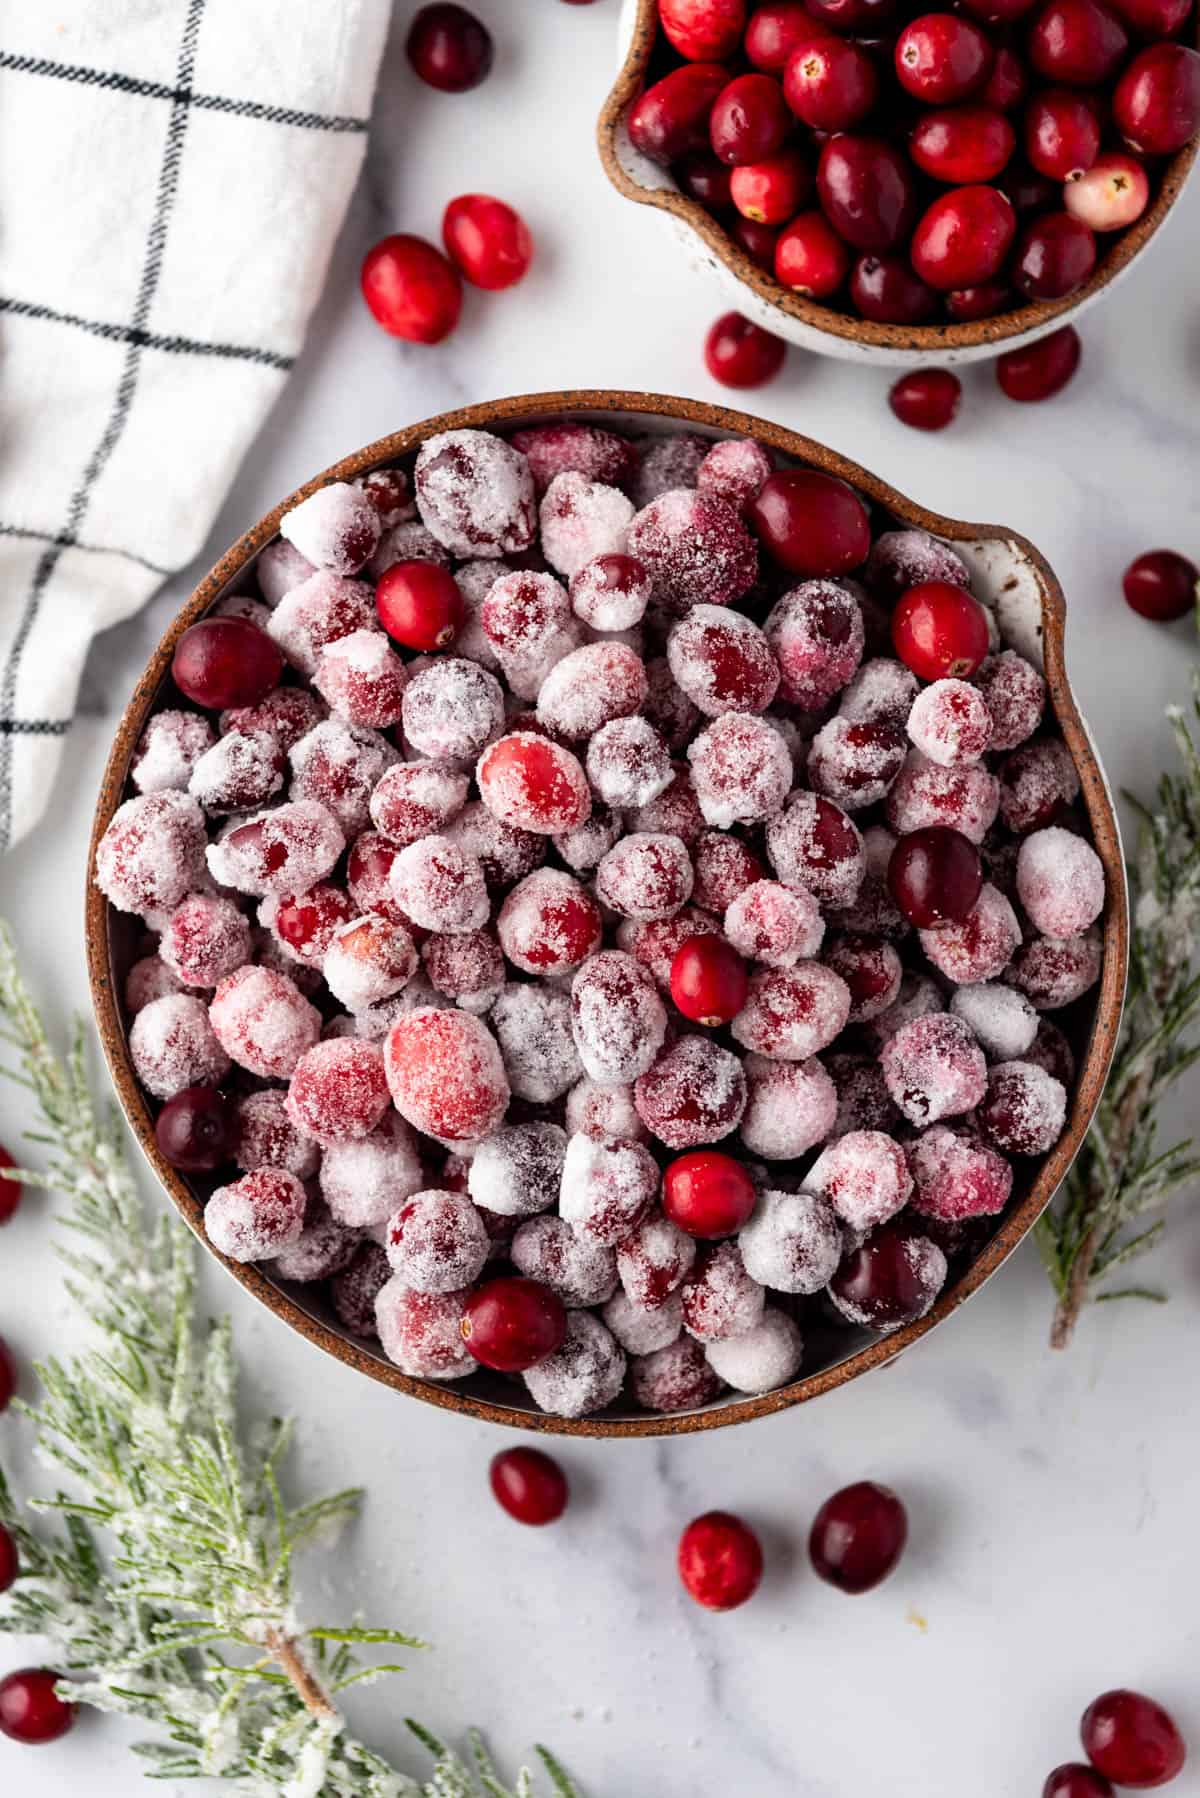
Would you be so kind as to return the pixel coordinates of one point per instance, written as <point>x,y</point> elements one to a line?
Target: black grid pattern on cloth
<point>147,340</point>
<point>92,549</point>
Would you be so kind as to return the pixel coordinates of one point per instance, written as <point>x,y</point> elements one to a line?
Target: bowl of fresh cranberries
<point>877,180</point>
<point>605,916</point>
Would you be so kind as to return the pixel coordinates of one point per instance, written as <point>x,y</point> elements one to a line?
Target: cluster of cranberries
<point>606,900</point>
<point>913,166</point>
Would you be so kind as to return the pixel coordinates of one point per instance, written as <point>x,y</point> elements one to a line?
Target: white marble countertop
<point>1052,1498</point>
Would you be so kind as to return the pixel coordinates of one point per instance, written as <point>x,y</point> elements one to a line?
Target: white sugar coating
<point>468,968</point>
<point>816,631</point>
<point>323,1248</point>
<point>241,771</point>
<point>791,1107</point>
<point>735,470</point>
<point>881,692</point>
<point>268,951</point>
<point>257,1216</point>
<point>601,455</point>
<point>927,1268</point>
<point>172,1045</point>
<point>863,1176</point>
<point>149,978</point>
<point>504,851</point>
<point>1036,781</point>
<point>1015,695</point>
<point>390,493</point>
<point>1052,971</point>
<point>628,763</point>
<point>374,1022</point>
<point>419,1332</point>
<point>581,519</point>
<point>618,1020</point>
<point>206,938</point>
<point>263,1021</point>
<point>580,1271</point>
<point>724,867</point>
<point>1025,1108</point>
<point>367,961</point>
<point>792,1013</point>
<point>362,678</point>
<point>339,765</point>
<point>792,1243</point>
<point>667,463</point>
<point>533,784</point>
<point>674,812</point>
<point>590,686</point>
<point>584,1374</point>
<point>415,799</point>
<point>474,581</point>
<point>319,611</point>
<point>603,1111</point>
<point>950,723</point>
<point>366,1179</point>
<point>264,1136</point>
<point>440,886</point>
<point>606,1187</point>
<point>151,854</point>
<point>1060,882</point>
<point>475,493</point>
<point>676,1378</point>
<point>286,713</point>
<point>532,1025</point>
<point>654,1260</point>
<point>722,661</point>
<point>903,559</point>
<point>607,603</point>
<point>452,709</point>
<point>695,1093</point>
<point>641,1332</point>
<point>517,1170</point>
<point>813,844</point>
<point>436,1242</point>
<point>1002,1019</point>
<point>695,548</point>
<point>168,749</point>
<point>767,1356</point>
<point>336,527</point>
<point>549,923</point>
<point>722,1297</point>
<point>667,706</point>
<point>979,948</point>
<point>244,606</point>
<point>528,621</point>
<point>919,995</point>
<point>923,794</point>
<point>645,876</point>
<point>408,541</point>
<point>353,1292</point>
<point>957,1177</point>
<point>279,568</point>
<point>338,1091</point>
<point>775,924</point>
<point>934,1068</point>
<point>855,764</point>
<point>741,770</point>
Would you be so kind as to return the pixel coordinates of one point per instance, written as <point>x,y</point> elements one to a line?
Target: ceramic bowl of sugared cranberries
<point>890,183</point>
<point>605,917</point>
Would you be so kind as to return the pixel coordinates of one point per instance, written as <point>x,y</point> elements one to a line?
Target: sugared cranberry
<point>1113,193</point>
<point>749,120</point>
<point>419,605</point>
<point>740,354</point>
<point>529,1485</point>
<point>194,1129</point>
<point>810,257</point>
<point>720,1561</point>
<point>831,84</point>
<point>1062,133</point>
<point>512,1323</point>
<point>1054,256</point>
<point>884,289</point>
<point>1156,106</point>
<point>708,980</point>
<point>1039,370</point>
<point>10,1190</point>
<point>703,30</point>
<point>671,117</point>
<point>940,631</point>
<point>1074,1780</point>
<point>1132,1740</point>
<point>1162,585</point>
<point>773,190</point>
<point>449,48</point>
<point>867,191</point>
<point>858,1536</point>
<point>486,241</point>
<point>963,237</point>
<point>935,876</point>
<point>704,177</point>
<point>775,32</point>
<point>708,1194</point>
<point>1081,42</point>
<point>942,57</point>
<point>224,662</point>
<point>10,1563</point>
<point>927,399</point>
<point>8,1375</point>
<point>811,522</point>
<point>31,1711</point>
<point>962,144</point>
<point>411,289</point>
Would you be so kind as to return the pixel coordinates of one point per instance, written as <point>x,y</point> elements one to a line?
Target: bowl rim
<point>1037,317</point>
<point>584,403</point>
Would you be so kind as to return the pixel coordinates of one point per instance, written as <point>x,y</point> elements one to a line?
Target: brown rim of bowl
<point>995,330</point>
<point>501,414</point>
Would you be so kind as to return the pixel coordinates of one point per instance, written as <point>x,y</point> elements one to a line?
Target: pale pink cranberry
<point>734,470</point>
<point>415,799</point>
<point>241,771</point>
<point>611,593</point>
<point>695,549</point>
<point>354,1290</point>
<point>475,493</point>
<point>909,558</point>
<point>205,939</point>
<point>363,1179</point>
<point>367,960</point>
<point>871,970</point>
<point>338,766</point>
<point>504,851</point>
<point>950,724</point>
<point>532,1024</point>
<point>722,661</point>
<point>287,714</point>
<point>419,1331</point>
<point>723,867</point>
<point>655,945</point>
<point>338,1090</point>
<point>863,1176</point>
<point>580,520</point>
<point>628,763</point>
<point>695,1093</point>
<point>881,692</point>
<point>792,1243</point>
<point>264,1136</point>
<point>607,1187</point>
<point>1037,783</point>
<point>445,1074</point>
<point>617,1018</point>
<point>922,795</point>
<point>855,764</point>
<point>775,924</point>
<point>1023,1110</point>
<point>168,749</point>
<point>791,1106</point>
<point>336,528</point>
<point>263,1022</point>
<point>517,1170</point>
<point>452,709</point>
<point>645,877</point>
<point>741,770</point>
<point>584,1374</point>
<point>316,613</point>
<point>981,947</point>
<point>934,1068</point>
<point>642,1332</point>
<point>279,568</point>
<point>172,1045</point>
<point>1111,195</point>
<point>956,1176</point>
<point>675,812</point>
<point>533,784</point>
<point>467,967</point>
<point>589,687</point>
<point>149,978</point>
<point>654,1260</point>
<point>436,1242</point>
<point>151,855</point>
<point>674,1378</point>
<point>1015,695</point>
<point>792,1013</point>
<point>580,1271</point>
<point>548,924</point>
<point>1053,972</point>
<point>255,1217</point>
<point>813,844</point>
<point>603,1111</point>
<point>440,886</point>
<point>582,449</point>
<point>816,632</point>
<point>721,1298</point>
<point>1060,882</point>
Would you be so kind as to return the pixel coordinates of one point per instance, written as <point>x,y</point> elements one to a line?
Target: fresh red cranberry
<point>1113,193</point>
<point>940,631</point>
<point>741,354</point>
<point>708,1194</point>
<point>671,117</point>
<point>927,399</point>
<point>858,1536</point>
<point>410,289</point>
<point>885,290</point>
<point>11,1191</point>
<point>891,1280</point>
<point>942,57</point>
<point>720,1561</point>
<point>193,1130</point>
<point>486,241</point>
<point>529,1485</point>
<point>419,605</point>
<point>758,240</point>
<point>962,144</point>
<point>1040,370</point>
<point>703,177</point>
<point>1027,189</point>
<point>449,48</point>
<point>1132,1740</point>
<point>964,237</point>
<point>512,1323</point>
<point>8,1375</point>
<point>703,30</point>
<point>867,191</point>
<point>775,32</point>
<point>1156,106</point>
<point>983,300</point>
<point>225,662</point>
<point>1081,42</point>
<point>708,980</point>
<point>1154,18</point>
<point>1007,84</point>
<point>749,120</point>
<point>1162,585</point>
<point>811,523</point>
<point>856,18</point>
<point>771,191</point>
<point>10,1560</point>
<point>810,257</point>
<point>1074,1780</point>
<point>1062,133</point>
<point>31,1712</point>
<point>1055,255</point>
<point>935,876</point>
<point>831,84</point>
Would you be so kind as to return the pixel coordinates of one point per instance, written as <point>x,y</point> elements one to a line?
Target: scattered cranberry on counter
<point>10,1562</point>
<point>927,399</point>
<point>449,48</point>
<point>529,1485</point>
<point>11,1191</point>
<point>1162,585</point>
<point>8,1375</point>
<point>1037,371</point>
<point>1074,1780</point>
<point>740,354</point>
<point>31,1712</point>
<point>411,289</point>
<point>720,1561</point>
<point>1132,1740</point>
<point>858,1536</point>
<point>487,241</point>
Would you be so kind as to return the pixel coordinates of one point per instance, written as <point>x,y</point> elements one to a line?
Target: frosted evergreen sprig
<point>1098,1224</point>
<point>161,1572</point>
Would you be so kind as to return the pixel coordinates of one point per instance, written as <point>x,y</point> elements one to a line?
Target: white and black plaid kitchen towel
<point>172,177</point>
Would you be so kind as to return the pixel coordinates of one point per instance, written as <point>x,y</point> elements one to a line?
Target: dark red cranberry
<point>758,240</point>
<point>193,1129</point>
<point>411,289</point>
<point>1041,369</point>
<point>935,876</point>
<point>927,398</point>
<point>981,301</point>
<point>858,1536</point>
<point>962,144</point>
<point>708,980</point>
<point>867,191</point>
<point>940,631</point>
<point>11,1191</point>
<point>225,662</point>
<point>964,237</point>
<point>749,120</point>
<point>1081,42</point>
<point>671,117</point>
<point>854,17</point>
<point>1028,191</point>
<point>1132,1740</point>
<point>10,1560</point>
<point>1074,1780</point>
<point>720,1561</point>
<point>487,241</point>
<point>811,523</point>
<point>775,32</point>
<point>885,290</point>
<point>741,354</point>
<point>942,57</point>
<point>708,1194</point>
<point>884,1283</point>
<point>702,176</point>
<point>8,1375</point>
<point>1055,255</point>
<point>1162,585</point>
<point>1007,84</point>
<point>1156,106</point>
<point>831,84</point>
<point>1154,18</point>
<point>529,1485</point>
<point>31,1712</point>
<point>512,1323</point>
<point>1062,133</point>
<point>771,191</point>
<point>449,48</point>
<point>810,257</point>
<point>419,605</point>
